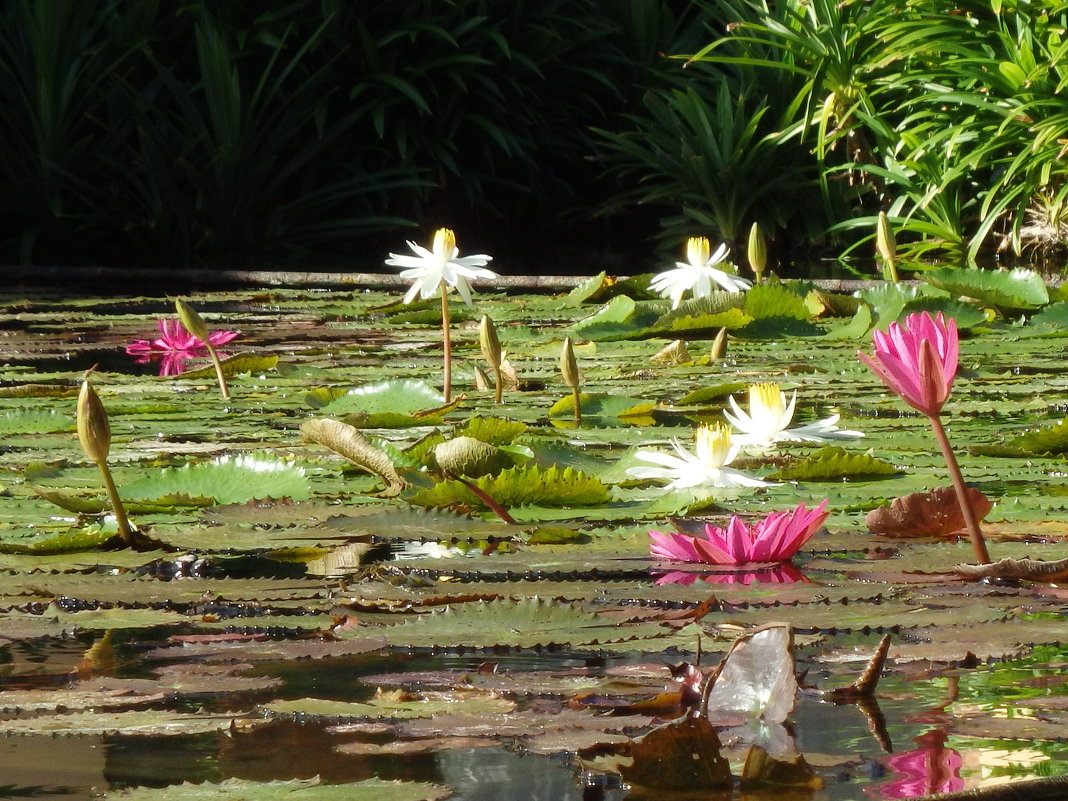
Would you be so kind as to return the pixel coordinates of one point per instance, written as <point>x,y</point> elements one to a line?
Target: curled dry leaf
<point>926,514</point>
<point>354,446</point>
<point>675,353</point>
<point>1029,569</point>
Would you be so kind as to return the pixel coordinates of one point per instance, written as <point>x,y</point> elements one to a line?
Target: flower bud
<point>568,365</point>
<point>758,251</point>
<point>94,433</point>
<point>719,345</point>
<point>489,343</point>
<point>886,245</point>
<point>191,321</point>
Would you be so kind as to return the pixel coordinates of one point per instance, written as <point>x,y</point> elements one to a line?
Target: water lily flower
<point>174,346</point>
<point>705,467</point>
<point>776,538</point>
<point>441,267</point>
<point>697,273</point>
<point>770,414</point>
<point>917,360</point>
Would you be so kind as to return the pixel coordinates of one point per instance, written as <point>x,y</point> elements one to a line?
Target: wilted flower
<point>776,538</point>
<point>917,360</point>
<point>769,415</point>
<point>174,346</point>
<point>697,273</point>
<point>706,466</point>
<point>430,269</point>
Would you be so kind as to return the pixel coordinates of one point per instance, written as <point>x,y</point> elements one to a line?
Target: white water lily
<point>697,273</point>
<point>442,265</point>
<point>769,416</point>
<point>705,467</point>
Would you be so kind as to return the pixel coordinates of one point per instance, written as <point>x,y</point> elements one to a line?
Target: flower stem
<point>974,532</point>
<point>225,390</point>
<point>576,396</point>
<point>498,390</point>
<point>446,342</point>
<point>125,532</point>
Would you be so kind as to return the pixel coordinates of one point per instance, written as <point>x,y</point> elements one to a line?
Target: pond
<point>291,622</point>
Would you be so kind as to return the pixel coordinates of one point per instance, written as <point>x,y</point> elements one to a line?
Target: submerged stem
<point>974,532</point>
<point>576,396</point>
<point>446,343</point>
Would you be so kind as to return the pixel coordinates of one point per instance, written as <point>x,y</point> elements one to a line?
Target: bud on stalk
<point>758,252</point>
<point>570,371</point>
<point>94,434</point>
<point>195,325</point>
<point>491,352</point>
<point>886,245</point>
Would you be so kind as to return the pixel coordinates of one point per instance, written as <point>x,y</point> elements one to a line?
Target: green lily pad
<point>635,411</point>
<point>238,364</point>
<point>395,396</point>
<point>228,479</point>
<point>520,486</point>
<point>620,318</point>
<point>30,421</point>
<point>835,464</point>
<point>1008,289</point>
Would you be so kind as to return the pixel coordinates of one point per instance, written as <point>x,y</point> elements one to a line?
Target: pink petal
<point>672,546</point>
<point>714,549</point>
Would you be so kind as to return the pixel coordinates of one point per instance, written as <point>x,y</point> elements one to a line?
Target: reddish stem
<point>974,532</point>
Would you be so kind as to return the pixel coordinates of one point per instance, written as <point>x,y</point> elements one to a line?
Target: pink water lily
<point>917,360</point>
<point>174,346</point>
<point>777,574</point>
<point>776,538</point>
<point>931,768</point>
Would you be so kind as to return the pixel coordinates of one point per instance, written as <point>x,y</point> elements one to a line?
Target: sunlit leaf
<point>833,464</point>
<point>1009,289</point>
<point>237,364</point>
<point>402,396</point>
<point>519,486</point>
<point>634,411</point>
<point>31,421</point>
<point>373,789</point>
<point>227,479</point>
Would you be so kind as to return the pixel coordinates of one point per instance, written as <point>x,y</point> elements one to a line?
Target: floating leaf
<point>520,486</point>
<point>682,756</point>
<point>32,421</point>
<point>227,479</point>
<point>620,318</point>
<point>494,430</point>
<point>387,704</point>
<point>834,464</point>
<point>373,789</point>
<point>966,315</point>
<point>926,514</point>
<point>634,411</point>
<point>1008,568</point>
<point>1044,441</point>
<point>1009,289</point>
<point>856,328</point>
<point>354,446</point>
<point>403,396</point>
<point>237,364</point>
<point>765,301</point>
<point>70,542</point>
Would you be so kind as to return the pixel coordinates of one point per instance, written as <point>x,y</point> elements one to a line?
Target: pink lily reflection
<point>931,768</point>
<point>174,346</point>
<point>776,574</point>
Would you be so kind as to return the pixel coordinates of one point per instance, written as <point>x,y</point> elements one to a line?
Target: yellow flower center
<point>444,243</point>
<point>767,407</point>
<point>713,444</point>
<point>698,250</point>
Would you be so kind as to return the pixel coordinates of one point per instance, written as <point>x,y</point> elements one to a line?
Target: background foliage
<point>181,132</point>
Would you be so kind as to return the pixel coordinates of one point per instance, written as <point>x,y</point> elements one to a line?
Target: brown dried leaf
<point>679,756</point>
<point>354,446</point>
<point>926,514</point>
<point>1029,569</point>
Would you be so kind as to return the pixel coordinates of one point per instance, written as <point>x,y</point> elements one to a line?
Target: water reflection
<point>930,768</point>
<point>784,573</point>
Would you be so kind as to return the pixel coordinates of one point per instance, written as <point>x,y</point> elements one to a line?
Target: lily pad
<point>1007,289</point>
<point>227,479</point>
<point>835,464</point>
